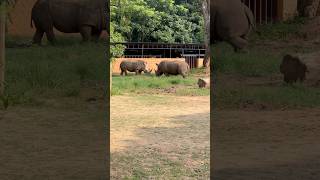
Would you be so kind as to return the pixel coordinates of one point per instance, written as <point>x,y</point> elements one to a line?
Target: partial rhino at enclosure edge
<point>231,21</point>
<point>78,16</point>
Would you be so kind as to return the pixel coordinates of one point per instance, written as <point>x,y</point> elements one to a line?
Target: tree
<point>115,50</point>
<point>167,21</point>
<point>2,45</point>
<point>4,6</point>
<point>206,15</point>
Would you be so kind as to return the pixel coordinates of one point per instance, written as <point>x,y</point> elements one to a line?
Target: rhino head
<point>158,72</point>
<point>147,70</point>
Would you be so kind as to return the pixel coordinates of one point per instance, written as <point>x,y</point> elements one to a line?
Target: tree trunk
<point>2,46</point>
<point>111,68</point>
<point>301,67</point>
<point>206,15</point>
<point>309,8</point>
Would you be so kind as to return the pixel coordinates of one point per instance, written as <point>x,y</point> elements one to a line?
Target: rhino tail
<point>31,24</point>
<point>250,16</point>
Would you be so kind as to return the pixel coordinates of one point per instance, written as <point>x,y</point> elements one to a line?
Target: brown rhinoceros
<point>173,68</point>
<point>134,66</point>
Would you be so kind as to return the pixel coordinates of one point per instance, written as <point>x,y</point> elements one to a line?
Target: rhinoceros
<point>173,68</point>
<point>231,21</point>
<point>134,66</point>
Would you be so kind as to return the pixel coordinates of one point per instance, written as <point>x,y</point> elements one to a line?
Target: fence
<point>264,11</point>
<point>191,53</point>
<point>194,60</point>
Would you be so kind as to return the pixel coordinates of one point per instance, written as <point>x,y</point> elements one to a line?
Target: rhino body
<point>173,68</point>
<point>134,66</point>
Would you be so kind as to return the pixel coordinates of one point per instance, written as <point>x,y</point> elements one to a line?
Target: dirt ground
<point>266,144</point>
<point>62,139</point>
<point>160,136</point>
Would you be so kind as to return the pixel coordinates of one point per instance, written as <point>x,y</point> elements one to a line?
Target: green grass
<point>279,30</point>
<point>296,96</point>
<point>260,63</point>
<point>151,84</point>
<point>52,71</point>
<point>255,63</point>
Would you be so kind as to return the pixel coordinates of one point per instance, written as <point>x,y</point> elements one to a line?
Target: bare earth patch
<point>250,145</point>
<point>160,136</point>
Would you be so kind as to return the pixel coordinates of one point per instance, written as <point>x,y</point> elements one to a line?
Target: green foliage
<point>116,50</point>
<point>166,21</point>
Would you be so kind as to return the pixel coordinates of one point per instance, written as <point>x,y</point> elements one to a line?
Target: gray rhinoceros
<point>231,21</point>
<point>173,68</point>
<point>134,66</point>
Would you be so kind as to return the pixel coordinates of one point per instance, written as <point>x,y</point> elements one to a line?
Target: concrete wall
<point>151,62</point>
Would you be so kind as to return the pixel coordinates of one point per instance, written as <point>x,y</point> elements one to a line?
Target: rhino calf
<point>134,66</point>
<point>173,68</point>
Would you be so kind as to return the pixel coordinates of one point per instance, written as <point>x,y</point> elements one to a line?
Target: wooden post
<point>280,15</point>
<point>2,46</point>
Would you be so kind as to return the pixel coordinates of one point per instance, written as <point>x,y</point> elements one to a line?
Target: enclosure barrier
<point>265,11</point>
<point>191,53</point>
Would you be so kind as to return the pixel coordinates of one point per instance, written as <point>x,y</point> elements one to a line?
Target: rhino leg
<point>137,72</point>
<point>123,72</point>
<point>86,32</point>
<point>38,36</point>
<point>50,36</point>
<point>238,43</point>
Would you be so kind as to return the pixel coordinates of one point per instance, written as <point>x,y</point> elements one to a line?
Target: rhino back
<point>128,65</point>
<point>174,67</point>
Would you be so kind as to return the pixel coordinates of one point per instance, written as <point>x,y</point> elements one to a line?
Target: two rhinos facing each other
<point>164,67</point>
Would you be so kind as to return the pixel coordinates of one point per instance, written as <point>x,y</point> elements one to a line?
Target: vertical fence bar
<point>266,12</point>
<point>260,13</point>
<point>271,10</point>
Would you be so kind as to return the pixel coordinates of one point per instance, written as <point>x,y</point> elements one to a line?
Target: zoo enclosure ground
<point>160,136</point>
<point>264,129</point>
<point>159,127</point>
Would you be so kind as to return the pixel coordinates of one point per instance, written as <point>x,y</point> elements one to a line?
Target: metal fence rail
<point>153,45</point>
<point>265,11</point>
<point>191,52</point>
